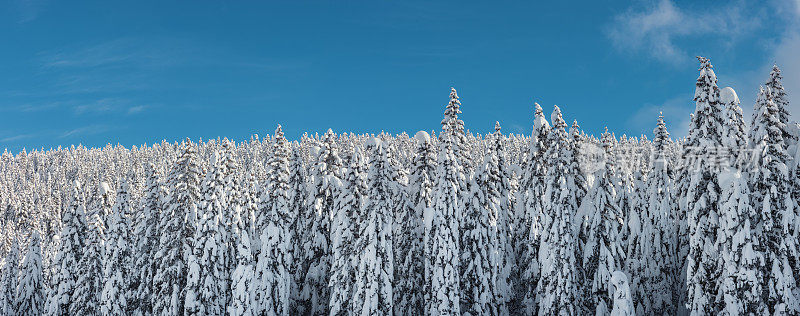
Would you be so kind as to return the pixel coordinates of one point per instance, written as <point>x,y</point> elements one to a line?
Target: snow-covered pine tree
<point>65,264</point>
<point>480,258</point>
<point>345,225</point>
<point>656,293</point>
<point>603,251</point>
<point>326,174</point>
<point>298,194</point>
<point>86,299</point>
<point>147,244</point>
<point>243,281</point>
<point>271,270</point>
<point>232,208</point>
<point>775,85</point>
<point>702,193</point>
<point>734,136</point>
<point>769,185</point>
<point>454,126</point>
<point>412,287</point>
<point>556,288</point>
<point>205,280</point>
<point>117,261</point>
<point>530,219</point>
<point>444,238</point>
<point>30,291</point>
<point>177,227</point>
<point>10,279</point>
<point>740,288</point>
<point>375,274</point>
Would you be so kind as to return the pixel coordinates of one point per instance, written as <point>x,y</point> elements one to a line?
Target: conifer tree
<point>205,284</point>
<point>479,260</point>
<point>273,259</point>
<point>530,218</point>
<point>412,292</point>
<point>147,229</point>
<point>314,294</point>
<point>116,265</point>
<point>775,85</point>
<point>702,192</point>
<point>556,289</point>
<point>769,184</point>
<point>603,252</point>
<point>443,240</point>
<point>86,299</point>
<point>177,227</point>
<point>375,274</point>
<point>30,291</point>
<point>345,230</point>
<point>10,279</point>
<point>73,239</point>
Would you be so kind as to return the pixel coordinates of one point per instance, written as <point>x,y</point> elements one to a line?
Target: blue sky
<point>100,72</point>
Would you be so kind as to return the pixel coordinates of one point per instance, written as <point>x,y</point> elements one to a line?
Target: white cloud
<point>656,29</point>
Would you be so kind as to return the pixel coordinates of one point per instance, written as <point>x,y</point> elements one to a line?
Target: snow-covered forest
<point>442,223</point>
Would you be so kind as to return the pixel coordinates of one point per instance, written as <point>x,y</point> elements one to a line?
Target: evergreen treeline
<point>556,223</point>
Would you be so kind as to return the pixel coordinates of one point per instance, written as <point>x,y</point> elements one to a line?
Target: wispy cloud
<point>656,29</point>
<point>136,109</point>
<point>85,130</point>
<point>16,138</point>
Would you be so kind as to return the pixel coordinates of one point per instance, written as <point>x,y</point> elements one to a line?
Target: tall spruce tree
<point>117,266</point>
<point>177,227</point>
<point>30,291</point>
<point>272,267</point>
<point>65,264</point>
<point>326,173</point>
<point>556,288</point>
<point>345,229</point>
<point>702,192</point>
<point>147,244</point>
<point>375,274</point>
<point>86,299</point>
<point>421,196</point>
<point>10,279</point>
<point>603,250</point>
<point>769,185</point>
<point>205,283</point>
<point>530,219</point>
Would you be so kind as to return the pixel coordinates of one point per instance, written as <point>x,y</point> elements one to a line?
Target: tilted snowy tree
<point>530,219</point>
<point>443,240</point>
<point>345,226</point>
<point>117,261</point>
<point>205,280</point>
<point>177,227</point>
<point>147,229</point>
<point>86,299</point>
<point>411,288</point>
<point>272,267</point>
<point>479,242</point>
<point>10,279</point>
<point>326,174</point>
<point>375,273</point>
<point>73,239</point>
<point>769,185</point>
<point>556,288</point>
<point>702,192</point>
<point>30,291</point>
<point>603,251</point>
